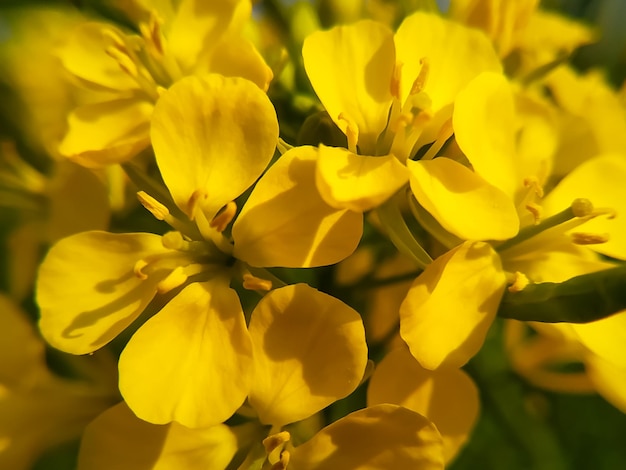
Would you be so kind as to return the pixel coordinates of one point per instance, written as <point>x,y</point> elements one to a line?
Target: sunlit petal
<point>285,222</point>
<point>87,289</point>
<point>195,352</point>
<point>451,305</point>
<point>309,351</point>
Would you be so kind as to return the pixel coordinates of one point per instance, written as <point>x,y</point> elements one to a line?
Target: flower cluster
<point>292,229</point>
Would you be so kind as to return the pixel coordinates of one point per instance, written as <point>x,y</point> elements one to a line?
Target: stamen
<point>173,280</point>
<point>536,211</point>
<point>195,200</point>
<point>352,131</point>
<point>276,440</point>
<point>283,462</point>
<point>394,86</point>
<point>221,221</point>
<point>151,32</point>
<point>580,209</point>
<point>584,238</point>
<point>120,55</point>
<point>251,282</point>
<point>519,282</point>
<point>138,269</point>
<point>422,76</point>
<point>158,210</point>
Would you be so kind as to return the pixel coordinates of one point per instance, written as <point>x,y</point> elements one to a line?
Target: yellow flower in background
<point>38,409</point>
<point>125,73</point>
<point>213,136</point>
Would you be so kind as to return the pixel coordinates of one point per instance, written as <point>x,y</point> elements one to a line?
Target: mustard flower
<point>125,73</point>
<point>309,351</point>
<point>213,136</point>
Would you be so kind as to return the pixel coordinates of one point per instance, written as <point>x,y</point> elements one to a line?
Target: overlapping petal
<point>462,202</point>
<point>118,439</point>
<point>213,136</point>
<point>309,351</point>
<point>375,438</point>
<point>447,397</point>
<point>451,305</point>
<point>101,134</point>
<point>196,352</point>
<point>357,182</point>
<point>455,55</point>
<point>285,222</point>
<point>87,289</point>
<point>350,68</point>
<point>484,127</point>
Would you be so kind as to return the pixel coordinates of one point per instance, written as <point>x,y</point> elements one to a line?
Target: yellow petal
<point>87,291</point>
<point>375,438</point>
<point>455,55</point>
<point>357,182</point>
<point>461,201</point>
<point>606,338</point>
<point>237,57</point>
<point>285,222</point>
<point>487,103</point>
<point>191,362</point>
<point>198,27</point>
<point>450,307</point>
<point>601,180</point>
<point>350,68</point>
<point>104,133</point>
<point>609,380</point>
<point>118,440</point>
<point>309,351</point>
<point>447,397</point>
<point>213,136</point>
<point>84,55</point>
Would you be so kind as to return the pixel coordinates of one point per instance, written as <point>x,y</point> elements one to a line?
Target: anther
<point>158,210</point>
<point>251,282</point>
<point>520,281</point>
<point>138,269</point>
<point>221,220</point>
<point>422,76</point>
<point>352,131</point>
<point>394,86</point>
<point>174,279</point>
<point>194,201</point>
<point>275,440</point>
<point>283,462</point>
<point>536,210</point>
<point>584,238</point>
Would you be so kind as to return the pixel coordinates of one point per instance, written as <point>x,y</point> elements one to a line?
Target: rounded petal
<point>461,201</point>
<point>447,397</point>
<point>84,54</point>
<point>455,55</point>
<point>87,290</point>
<point>109,132</point>
<point>375,438</point>
<point>484,127</point>
<point>606,338</point>
<point>601,180</point>
<point>118,439</point>
<point>309,351</point>
<point>196,353</point>
<point>350,68</point>
<point>285,222</point>
<point>357,182</point>
<point>213,136</point>
<point>451,305</point>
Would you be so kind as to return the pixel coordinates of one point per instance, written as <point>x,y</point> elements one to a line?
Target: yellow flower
<point>393,96</point>
<point>309,351</point>
<point>213,136</point>
<point>39,409</point>
<point>464,287</point>
<point>126,73</point>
